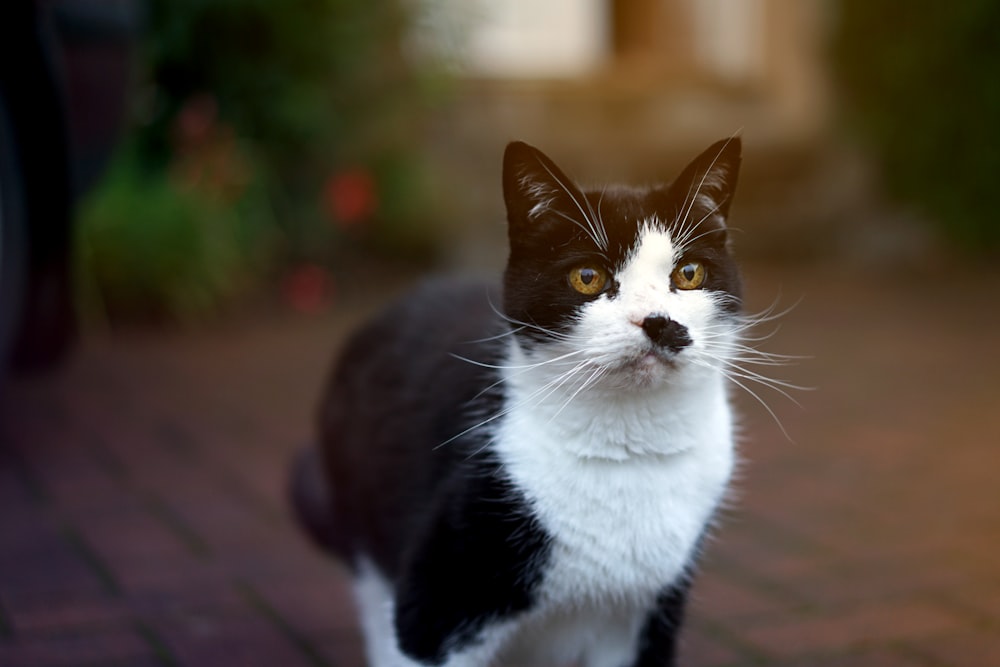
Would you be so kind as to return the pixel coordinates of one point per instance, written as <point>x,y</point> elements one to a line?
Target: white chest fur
<point>625,523</point>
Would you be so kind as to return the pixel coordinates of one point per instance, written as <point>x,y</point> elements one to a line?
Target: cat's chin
<point>648,370</point>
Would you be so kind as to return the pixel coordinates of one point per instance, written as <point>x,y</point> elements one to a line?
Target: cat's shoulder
<point>433,312</point>
<point>444,298</point>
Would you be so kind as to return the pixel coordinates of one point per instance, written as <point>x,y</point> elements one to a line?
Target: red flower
<point>308,289</point>
<point>349,197</point>
<point>196,120</point>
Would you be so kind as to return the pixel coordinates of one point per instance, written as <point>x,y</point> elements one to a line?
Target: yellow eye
<point>690,275</point>
<point>588,280</point>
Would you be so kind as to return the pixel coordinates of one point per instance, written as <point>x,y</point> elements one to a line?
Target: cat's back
<point>436,314</point>
<point>413,357</point>
<point>402,388</point>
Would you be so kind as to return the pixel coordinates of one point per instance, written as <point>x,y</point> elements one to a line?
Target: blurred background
<point>216,151</point>
<point>199,198</point>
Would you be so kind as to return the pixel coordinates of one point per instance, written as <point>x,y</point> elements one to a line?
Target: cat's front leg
<point>389,645</point>
<point>451,621</point>
<point>658,638</point>
<point>463,588</point>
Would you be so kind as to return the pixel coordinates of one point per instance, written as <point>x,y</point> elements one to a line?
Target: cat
<point>523,475</point>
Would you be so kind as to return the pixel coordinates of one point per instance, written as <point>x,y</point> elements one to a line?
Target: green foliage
<point>151,248</point>
<point>921,85</point>
<point>249,110</point>
<point>314,85</point>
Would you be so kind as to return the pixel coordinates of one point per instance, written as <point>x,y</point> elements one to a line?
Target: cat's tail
<point>311,501</point>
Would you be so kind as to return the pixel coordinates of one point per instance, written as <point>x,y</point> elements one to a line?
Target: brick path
<point>142,518</point>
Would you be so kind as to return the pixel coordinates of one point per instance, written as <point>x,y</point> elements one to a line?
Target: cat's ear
<point>710,179</point>
<point>533,184</point>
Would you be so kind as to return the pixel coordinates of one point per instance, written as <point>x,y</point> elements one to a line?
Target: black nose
<point>666,333</point>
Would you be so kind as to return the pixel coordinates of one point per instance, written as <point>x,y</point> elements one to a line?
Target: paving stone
<point>113,648</point>
<point>894,623</point>
<point>228,637</point>
<point>55,612</point>
<point>343,649</point>
<point>878,657</point>
<point>699,648</point>
<point>37,556</point>
<point>315,606</point>
<point>718,595</point>
<point>980,647</point>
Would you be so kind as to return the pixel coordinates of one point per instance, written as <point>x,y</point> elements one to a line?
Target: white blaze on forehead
<point>652,261</point>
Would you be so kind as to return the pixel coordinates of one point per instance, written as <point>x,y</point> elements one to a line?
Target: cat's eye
<point>690,275</point>
<point>589,280</point>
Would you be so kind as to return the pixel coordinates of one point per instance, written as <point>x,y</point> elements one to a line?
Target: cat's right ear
<point>711,177</point>
<point>533,185</point>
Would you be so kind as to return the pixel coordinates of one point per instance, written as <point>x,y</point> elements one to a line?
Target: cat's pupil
<point>689,271</point>
<point>588,276</point>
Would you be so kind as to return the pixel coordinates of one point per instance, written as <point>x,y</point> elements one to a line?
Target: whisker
<point>515,367</point>
<point>600,216</point>
<point>588,229</point>
<point>758,358</point>
<point>686,240</point>
<point>741,382</point>
<point>547,389</point>
<point>689,199</point>
<point>775,384</point>
<point>503,334</point>
<point>557,335</point>
<point>569,192</point>
<point>594,218</point>
<point>753,355</point>
<point>763,403</point>
<point>770,313</point>
<point>591,379</point>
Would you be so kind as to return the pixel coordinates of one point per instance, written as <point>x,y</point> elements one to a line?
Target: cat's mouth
<point>657,358</point>
<point>649,366</point>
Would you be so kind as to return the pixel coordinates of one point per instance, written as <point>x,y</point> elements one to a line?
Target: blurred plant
<point>152,247</point>
<point>919,85</point>
<point>308,289</point>
<point>290,125</point>
<point>318,87</point>
<point>350,197</point>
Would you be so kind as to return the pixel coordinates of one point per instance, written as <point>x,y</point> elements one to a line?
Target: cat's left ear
<point>533,184</point>
<point>710,179</point>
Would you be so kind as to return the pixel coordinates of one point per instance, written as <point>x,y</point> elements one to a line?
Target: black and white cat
<point>523,476</point>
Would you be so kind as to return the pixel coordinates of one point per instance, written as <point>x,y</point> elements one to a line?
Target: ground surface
<point>142,519</point>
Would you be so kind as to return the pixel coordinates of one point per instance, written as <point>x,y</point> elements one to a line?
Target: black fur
<point>480,560</point>
<point>433,510</point>
<point>658,640</point>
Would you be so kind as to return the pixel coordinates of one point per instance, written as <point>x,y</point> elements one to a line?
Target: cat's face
<point>633,287</point>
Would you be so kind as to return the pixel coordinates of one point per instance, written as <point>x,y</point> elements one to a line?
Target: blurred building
<point>629,89</point>
<point>644,74</point>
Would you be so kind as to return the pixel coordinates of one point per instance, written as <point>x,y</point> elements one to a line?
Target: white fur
<point>603,636</point>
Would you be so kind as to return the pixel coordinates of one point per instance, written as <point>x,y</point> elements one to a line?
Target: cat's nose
<point>666,333</point>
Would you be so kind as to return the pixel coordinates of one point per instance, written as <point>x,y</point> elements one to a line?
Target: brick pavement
<point>142,518</point>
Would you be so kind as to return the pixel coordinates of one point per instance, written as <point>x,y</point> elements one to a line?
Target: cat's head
<point>633,286</point>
